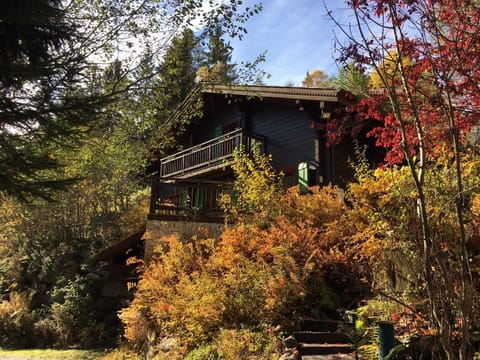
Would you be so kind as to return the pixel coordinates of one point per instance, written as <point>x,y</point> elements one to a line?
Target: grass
<point>41,354</point>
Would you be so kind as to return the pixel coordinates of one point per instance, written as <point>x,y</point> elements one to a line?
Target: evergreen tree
<point>178,71</point>
<point>41,100</point>
<point>351,79</point>
<point>174,81</point>
<point>217,66</point>
<point>48,55</point>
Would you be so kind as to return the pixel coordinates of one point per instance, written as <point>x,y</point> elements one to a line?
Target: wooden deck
<point>206,157</point>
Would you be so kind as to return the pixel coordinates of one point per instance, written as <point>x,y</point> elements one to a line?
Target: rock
<point>291,354</point>
<point>95,277</point>
<point>290,343</point>
<point>167,344</point>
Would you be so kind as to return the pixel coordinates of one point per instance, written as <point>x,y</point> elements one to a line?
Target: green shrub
<point>204,352</point>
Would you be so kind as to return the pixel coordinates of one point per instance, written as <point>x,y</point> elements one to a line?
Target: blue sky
<point>297,35</point>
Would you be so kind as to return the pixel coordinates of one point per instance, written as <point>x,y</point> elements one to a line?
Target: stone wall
<point>156,229</point>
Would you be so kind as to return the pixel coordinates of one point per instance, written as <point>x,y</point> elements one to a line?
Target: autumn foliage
<point>424,55</point>
<point>423,59</point>
<point>305,256</point>
<point>256,277</point>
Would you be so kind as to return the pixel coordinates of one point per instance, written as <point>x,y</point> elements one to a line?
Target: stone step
<point>321,337</point>
<point>322,325</point>
<point>324,349</point>
<point>330,357</point>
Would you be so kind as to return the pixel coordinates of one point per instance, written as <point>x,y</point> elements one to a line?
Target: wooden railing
<point>205,156</point>
<point>182,199</point>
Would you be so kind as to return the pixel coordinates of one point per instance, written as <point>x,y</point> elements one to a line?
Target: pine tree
<point>41,100</point>
<point>217,66</point>
<point>48,55</point>
<point>353,80</point>
<point>174,81</point>
<point>178,71</point>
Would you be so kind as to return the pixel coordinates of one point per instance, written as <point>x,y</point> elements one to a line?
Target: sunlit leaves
<point>388,234</point>
<point>252,276</point>
<point>257,185</point>
<point>316,79</point>
<point>423,58</point>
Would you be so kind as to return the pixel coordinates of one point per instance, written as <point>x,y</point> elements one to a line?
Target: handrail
<point>203,145</point>
<point>209,153</point>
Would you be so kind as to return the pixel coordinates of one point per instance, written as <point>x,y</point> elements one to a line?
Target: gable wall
<point>290,138</point>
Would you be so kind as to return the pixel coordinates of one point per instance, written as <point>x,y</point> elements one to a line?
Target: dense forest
<point>87,89</point>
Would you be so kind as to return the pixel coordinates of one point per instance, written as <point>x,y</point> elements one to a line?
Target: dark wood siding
<point>223,114</point>
<point>289,137</point>
<point>335,162</point>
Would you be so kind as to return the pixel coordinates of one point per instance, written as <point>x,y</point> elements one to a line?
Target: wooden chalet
<point>287,122</point>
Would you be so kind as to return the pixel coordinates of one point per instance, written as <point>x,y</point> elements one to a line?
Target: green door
<point>219,131</point>
<point>306,176</point>
<point>199,198</point>
<point>217,148</point>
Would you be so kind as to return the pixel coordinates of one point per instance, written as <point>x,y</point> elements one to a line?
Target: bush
<point>385,227</point>
<point>69,321</point>
<point>278,263</point>
<point>16,321</point>
<point>204,352</point>
<point>254,275</point>
<point>46,296</point>
<point>246,343</point>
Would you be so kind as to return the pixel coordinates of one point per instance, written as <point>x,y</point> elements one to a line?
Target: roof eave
<point>280,92</point>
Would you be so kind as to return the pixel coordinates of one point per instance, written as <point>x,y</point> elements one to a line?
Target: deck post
<point>154,194</point>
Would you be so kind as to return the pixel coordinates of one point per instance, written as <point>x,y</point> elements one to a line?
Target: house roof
<point>321,95</point>
<point>122,246</point>
<point>280,92</point>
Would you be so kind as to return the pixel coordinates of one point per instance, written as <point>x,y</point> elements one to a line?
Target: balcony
<point>208,156</point>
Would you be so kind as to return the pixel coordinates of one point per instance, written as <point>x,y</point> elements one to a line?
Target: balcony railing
<point>187,200</point>
<point>206,156</point>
